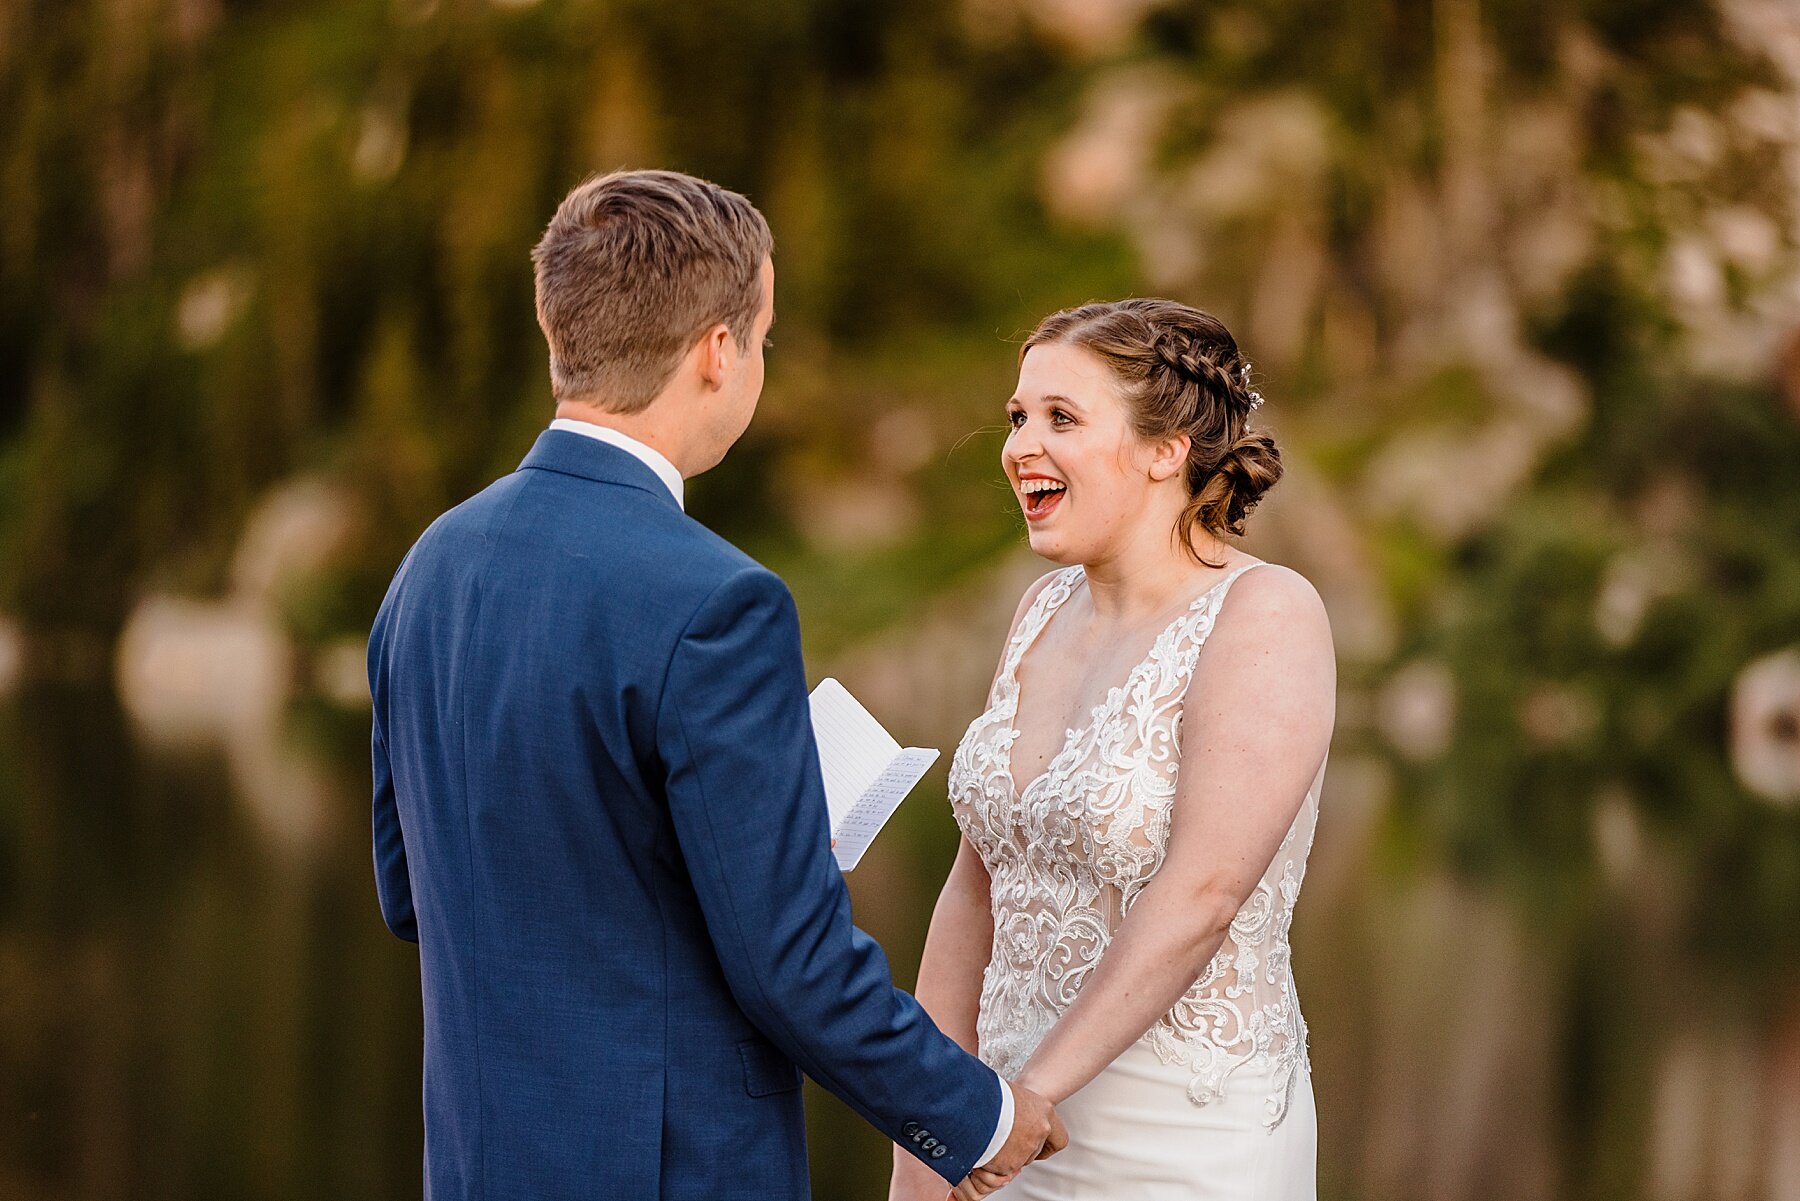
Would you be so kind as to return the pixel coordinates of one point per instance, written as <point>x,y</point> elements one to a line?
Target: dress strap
<point>1224,586</point>
<point>1190,630</point>
<point>1058,590</point>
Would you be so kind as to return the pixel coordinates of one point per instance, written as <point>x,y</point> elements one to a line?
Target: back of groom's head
<point>634,267</point>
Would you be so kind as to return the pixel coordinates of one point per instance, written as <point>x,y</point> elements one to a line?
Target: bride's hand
<point>913,1181</point>
<point>977,1184</point>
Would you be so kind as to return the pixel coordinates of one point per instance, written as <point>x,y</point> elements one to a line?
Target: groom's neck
<point>648,425</point>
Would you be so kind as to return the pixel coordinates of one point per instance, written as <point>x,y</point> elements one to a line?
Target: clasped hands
<point>1037,1133</point>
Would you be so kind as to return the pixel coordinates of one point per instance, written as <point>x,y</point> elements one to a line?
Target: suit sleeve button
<point>910,1129</point>
<point>937,1152</point>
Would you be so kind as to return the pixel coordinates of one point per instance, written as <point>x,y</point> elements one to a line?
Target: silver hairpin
<point>1256,398</point>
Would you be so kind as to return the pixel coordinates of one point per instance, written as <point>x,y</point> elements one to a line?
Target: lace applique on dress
<point>1070,854</point>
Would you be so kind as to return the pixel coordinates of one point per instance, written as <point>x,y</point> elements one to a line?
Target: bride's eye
<point>1058,417</point>
<point>1015,417</point>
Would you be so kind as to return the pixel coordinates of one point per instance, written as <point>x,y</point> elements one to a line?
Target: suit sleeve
<point>748,806</point>
<point>393,883</point>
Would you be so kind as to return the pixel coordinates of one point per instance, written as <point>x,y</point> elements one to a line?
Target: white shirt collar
<point>649,456</point>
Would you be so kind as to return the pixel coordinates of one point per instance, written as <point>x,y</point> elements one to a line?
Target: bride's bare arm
<point>956,954</point>
<point>957,948</point>
<point>1255,728</point>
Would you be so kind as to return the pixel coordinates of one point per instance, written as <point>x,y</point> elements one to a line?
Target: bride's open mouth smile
<point>1040,495</point>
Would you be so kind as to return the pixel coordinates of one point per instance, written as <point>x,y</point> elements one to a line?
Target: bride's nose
<point>1022,445</point>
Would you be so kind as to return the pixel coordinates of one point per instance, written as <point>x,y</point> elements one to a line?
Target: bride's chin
<point>1049,546</point>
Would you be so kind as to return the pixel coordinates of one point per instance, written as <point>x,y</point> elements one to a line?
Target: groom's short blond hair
<point>633,268</point>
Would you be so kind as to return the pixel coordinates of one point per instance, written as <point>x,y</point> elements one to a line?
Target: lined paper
<point>867,774</point>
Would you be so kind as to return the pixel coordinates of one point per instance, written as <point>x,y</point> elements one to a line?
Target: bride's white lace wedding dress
<point>1215,1101</point>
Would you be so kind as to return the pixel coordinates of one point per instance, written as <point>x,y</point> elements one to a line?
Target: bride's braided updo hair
<point>1180,372</point>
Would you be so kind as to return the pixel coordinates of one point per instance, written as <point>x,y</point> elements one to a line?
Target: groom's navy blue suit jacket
<point>598,811</point>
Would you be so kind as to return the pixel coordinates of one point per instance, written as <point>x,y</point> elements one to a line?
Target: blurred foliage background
<point>1521,282</point>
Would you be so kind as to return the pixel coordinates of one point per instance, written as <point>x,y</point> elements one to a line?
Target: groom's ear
<point>718,351</point>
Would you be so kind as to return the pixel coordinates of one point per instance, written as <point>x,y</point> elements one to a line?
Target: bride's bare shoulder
<point>1274,597</point>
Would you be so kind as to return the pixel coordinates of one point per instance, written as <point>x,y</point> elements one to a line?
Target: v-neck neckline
<point>1080,735</point>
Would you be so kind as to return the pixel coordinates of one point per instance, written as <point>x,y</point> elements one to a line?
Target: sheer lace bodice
<point>1070,854</point>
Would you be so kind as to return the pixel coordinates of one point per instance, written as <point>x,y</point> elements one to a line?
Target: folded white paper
<point>867,774</point>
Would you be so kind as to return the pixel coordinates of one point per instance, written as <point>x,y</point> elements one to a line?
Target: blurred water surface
<point>200,1003</point>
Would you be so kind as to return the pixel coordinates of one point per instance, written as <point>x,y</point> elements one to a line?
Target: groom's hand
<point>1037,1133</point>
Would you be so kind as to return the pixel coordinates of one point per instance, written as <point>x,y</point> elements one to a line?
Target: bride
<point>1138,800</point>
